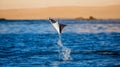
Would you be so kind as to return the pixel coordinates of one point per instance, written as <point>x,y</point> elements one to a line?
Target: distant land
<point>66,12</point>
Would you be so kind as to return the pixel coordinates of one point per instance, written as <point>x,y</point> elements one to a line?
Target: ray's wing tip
<point>49,18</point>
<point>52,20</point>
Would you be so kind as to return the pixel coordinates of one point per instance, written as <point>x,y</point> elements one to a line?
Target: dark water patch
<point>113,65</point>
<point>100,52</point>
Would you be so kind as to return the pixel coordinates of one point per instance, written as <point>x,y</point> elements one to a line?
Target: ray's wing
<point>61,27</point>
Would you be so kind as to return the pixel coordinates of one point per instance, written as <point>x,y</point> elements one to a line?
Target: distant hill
<point>108,12</point>
<point>89,18</point>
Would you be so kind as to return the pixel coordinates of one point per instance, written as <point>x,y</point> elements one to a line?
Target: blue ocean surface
<point>83,43</point>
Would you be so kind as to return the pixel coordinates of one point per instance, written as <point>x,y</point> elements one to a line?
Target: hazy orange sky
<point>42,9</point>
<point>16,4</point>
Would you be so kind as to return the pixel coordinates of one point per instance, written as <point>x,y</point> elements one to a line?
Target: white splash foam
<point>64,52</point>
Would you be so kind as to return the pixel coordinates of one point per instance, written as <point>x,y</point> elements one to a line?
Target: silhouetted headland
<point>90,18</point>
<point>2,19</point>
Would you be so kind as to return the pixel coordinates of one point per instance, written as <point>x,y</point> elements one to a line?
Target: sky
<point>16,4</point>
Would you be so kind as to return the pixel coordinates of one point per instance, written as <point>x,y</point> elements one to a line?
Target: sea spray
<point>64,53</point>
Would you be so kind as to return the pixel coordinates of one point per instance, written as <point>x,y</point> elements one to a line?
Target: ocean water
<point>83,43</point>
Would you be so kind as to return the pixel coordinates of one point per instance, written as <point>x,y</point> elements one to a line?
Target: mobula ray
<point>57,26</point>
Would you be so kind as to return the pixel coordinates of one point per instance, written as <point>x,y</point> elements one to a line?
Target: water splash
<point>64,53</point>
